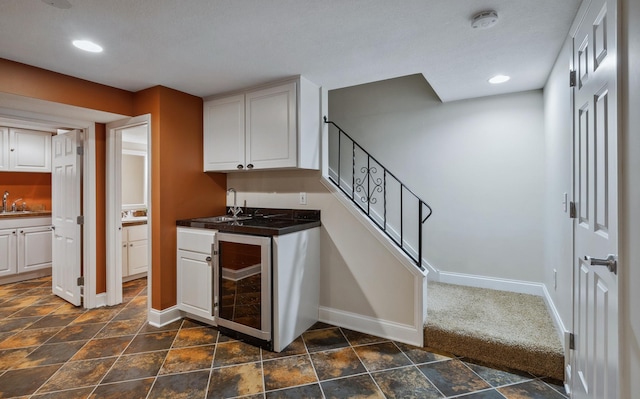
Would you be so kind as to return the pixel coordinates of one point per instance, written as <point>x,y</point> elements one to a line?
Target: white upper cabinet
<point>224,133</point>
<point>23,150</point>
<point>273,127</point>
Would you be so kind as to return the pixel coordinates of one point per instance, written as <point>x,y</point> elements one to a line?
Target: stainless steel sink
<point>221,219</point>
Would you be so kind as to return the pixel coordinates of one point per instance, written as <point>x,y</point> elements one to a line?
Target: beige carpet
<point>500,328</point>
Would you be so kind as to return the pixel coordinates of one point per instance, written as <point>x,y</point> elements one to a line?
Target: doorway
<point>128,210</point>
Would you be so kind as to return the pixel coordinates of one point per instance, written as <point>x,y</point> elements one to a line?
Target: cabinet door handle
<point>124,245</point>
<point>21,231</point>
<point>250,166</point>
<point>13,149</point>
<point>240,166</point>
<point>131,245</point>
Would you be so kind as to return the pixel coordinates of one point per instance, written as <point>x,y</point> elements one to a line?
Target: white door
<point>65,205</point>
<point>594,365</point>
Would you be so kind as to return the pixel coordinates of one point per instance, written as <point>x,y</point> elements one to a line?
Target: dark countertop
<point>28,214</point>
<point>264,222</point>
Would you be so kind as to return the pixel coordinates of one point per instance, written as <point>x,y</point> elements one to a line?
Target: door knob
<point>610,262</point>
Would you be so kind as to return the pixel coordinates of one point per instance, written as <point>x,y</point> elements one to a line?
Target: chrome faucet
<point>14,207</point>
<point>4,201</point>
<point>234,210</point>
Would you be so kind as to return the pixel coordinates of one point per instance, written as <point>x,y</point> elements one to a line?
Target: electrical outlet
<point>303,198</point>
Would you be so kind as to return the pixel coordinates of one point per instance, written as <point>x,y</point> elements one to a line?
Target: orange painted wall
<point>33,188</point>
<point>29,81</point>
<point>180,189</point>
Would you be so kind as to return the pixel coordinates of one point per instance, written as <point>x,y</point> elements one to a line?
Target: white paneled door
<point>594,365</point>
<point>65,198</point>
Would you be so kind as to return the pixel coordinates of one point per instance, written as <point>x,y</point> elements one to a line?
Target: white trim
<point>381,328</point>
<point>114,205</point>
<point>26,276</point>
<point>90,216</point>
<point>159,318</point>
<point>101,300</point>
<point>493,283</point>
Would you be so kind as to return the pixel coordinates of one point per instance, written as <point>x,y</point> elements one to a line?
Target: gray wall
<point>558,245</point>
<point>479,163</point>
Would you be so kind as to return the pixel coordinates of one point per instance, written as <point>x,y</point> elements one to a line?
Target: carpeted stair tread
<point>502,328</point>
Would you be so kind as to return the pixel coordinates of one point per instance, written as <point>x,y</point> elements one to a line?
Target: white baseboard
<point>101,300</point>
<point>409,334</point>
<point>159,318</point>
<point>493,283</point>
<point>26,276</point>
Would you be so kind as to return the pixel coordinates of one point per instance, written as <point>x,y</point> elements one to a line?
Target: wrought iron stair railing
<point>379,194</point>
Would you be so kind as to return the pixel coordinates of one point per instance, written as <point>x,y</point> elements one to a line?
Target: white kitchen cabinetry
<point>8,252</point>
<point>23,150</point>
<point>135,250</point>
<point>195,272</point>
<point>25,248</point>
<point>271,127</point>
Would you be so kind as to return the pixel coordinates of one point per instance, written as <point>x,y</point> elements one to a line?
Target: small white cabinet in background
<point>135,250</point>
<point>23,150</point>
<point>195,272</point>
<point>272,127</point>
<point>25,246</point>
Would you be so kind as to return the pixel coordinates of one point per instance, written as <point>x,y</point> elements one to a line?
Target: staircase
<point>454,312</point>
<point>379,194</point>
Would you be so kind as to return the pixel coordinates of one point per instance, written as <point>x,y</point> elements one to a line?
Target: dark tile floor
<point>50,349</point>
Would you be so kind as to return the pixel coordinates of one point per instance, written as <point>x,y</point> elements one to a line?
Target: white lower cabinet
<point>135,250</point>
<point>195,272</point>
<point>24,246</point>
<point>8,252</point>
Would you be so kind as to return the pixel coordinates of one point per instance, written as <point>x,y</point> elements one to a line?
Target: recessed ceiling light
<point>499,79</point>
<point>87,45</point>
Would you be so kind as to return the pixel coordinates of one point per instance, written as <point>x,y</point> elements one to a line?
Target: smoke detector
<point>484,20</point>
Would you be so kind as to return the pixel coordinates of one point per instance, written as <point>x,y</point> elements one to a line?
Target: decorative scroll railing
<point>379,194</point>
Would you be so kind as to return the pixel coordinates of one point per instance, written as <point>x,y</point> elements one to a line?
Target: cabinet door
<point>30,150</point>
<point>195,283</point>
<point>224,134</point>
<point>138,257</point>
<point>7,252</point>
<point>271,128</point>
<point>34,248</point>
<point>4,148</point>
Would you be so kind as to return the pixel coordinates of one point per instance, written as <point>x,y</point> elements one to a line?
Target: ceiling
<point>206,47</point>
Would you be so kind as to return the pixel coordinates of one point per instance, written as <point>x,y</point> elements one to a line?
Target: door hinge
<point>572,210</point>
<point>80,219</point>
<point>572,341</point>
<point>80,151</point>
<point>81,281</point>
<point>572,79</point>
<point>215,252</point>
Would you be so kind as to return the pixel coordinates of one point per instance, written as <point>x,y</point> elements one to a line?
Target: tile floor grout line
<point>306,349</point>
<point>368,372</point>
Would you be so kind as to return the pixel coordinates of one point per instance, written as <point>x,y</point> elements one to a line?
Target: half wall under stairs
<point>502,329</point>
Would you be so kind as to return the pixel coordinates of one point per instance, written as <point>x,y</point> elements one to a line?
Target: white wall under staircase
<point>366,283</point>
